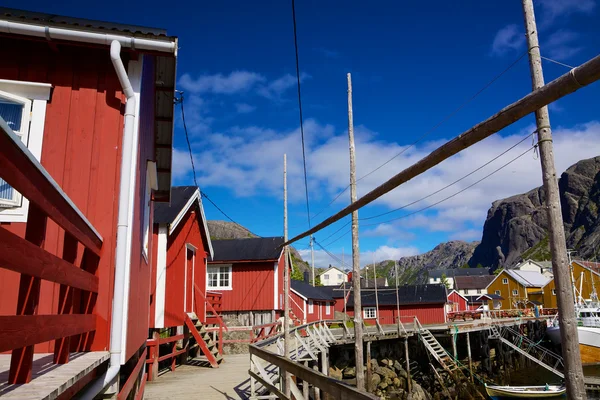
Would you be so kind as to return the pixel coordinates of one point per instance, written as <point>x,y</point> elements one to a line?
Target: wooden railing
<point>73,322</point>
<point>213,303</point>
<point>154,356</point>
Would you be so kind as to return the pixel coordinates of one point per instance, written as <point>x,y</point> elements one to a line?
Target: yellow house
<point>586,275</point>
<point>518,289</point>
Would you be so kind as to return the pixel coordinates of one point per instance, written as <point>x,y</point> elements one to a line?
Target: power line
<point>300,109</point>
<point>330,254</point>
<point>202,194</point>
<point>436,126</point>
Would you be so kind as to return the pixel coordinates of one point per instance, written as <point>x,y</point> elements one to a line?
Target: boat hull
<point>589,342</point>
<point>525,392</point>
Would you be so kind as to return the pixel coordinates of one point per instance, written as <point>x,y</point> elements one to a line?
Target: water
<point>536,375</point>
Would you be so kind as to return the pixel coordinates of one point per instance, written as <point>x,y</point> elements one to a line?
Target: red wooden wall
<point>139,288</point>
<point>426,313</point>
<point>297,306</point>
<point>188,231</point>
<point>459,303</point>
<point>81,151</point>
<point>253,286</point>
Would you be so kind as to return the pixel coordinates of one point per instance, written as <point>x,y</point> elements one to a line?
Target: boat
<point>525,392</point>
<point>588,330</point>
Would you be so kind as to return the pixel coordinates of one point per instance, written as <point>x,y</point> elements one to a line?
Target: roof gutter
<point>123,225</point>
<point>73,35</point>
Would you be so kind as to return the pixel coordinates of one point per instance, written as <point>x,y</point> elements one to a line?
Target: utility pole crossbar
<point>566,84</point>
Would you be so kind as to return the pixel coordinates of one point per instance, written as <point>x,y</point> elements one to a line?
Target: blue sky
<point>411,66</point>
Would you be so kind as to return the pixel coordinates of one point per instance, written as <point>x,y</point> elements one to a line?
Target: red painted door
<point>189,280</point>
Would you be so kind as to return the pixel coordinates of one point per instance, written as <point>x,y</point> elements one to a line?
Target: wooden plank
<point>140,394</point>
<point>269,386</point>
<point>18,331</point>
<point>65,300</point>
<point>133,377</point>
<point>203,346</point>
<point>19,255</point>
<point>21,361</point>
<point>172,338</point>
<point>329,385</point>
<point>22,171</point>
<point>171,355</point>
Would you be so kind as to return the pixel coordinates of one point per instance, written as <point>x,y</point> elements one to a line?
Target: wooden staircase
<point>208,346</point>
<point>297,321</point>
<point>436,349</point>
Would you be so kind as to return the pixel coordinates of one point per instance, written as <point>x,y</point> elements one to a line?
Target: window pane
<point>12,112</point>
<point>6,191</point>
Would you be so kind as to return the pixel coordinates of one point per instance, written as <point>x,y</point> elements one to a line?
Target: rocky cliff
<point>516,228</point>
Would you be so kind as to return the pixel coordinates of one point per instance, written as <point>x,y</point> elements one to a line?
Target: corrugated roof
<point>408,294</point>
<point>451,273</point>
<point>251,249</point>
<point>528,278</point>
<point>312,292</point>
<point>473,282</point>
<point>491,296</point>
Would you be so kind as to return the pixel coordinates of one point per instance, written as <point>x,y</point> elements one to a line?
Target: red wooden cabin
<point>310,303</point>
<point>181,248</point>
<point>457,302</point>
<point>426,302</point>
<point>249,275</point>
<point>86,128</point>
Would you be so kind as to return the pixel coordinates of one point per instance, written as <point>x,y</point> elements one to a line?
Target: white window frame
<point>497,292</point>
<point>554,292</point>
<point>340,276</point>
<point>32,134</point>
<point>515,292</point>
<point>326,277</point>
<point>478,291</point>
<point>311,307</point>
<point>369,313</point>
<point>466,291</point>
<point>151,184</point>
<point>218,287</point>
<point>327,308</point>
<point>505,281</point>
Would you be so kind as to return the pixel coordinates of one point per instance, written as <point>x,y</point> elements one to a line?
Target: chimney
<point>306,277</point>
<point>350,276</point>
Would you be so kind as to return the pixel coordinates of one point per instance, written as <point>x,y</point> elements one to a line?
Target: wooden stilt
<point>469,354</point>
<point>408,378</point>
<point>369,370</point>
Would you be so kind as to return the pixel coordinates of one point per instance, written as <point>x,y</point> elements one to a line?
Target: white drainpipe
<point>127,165</point>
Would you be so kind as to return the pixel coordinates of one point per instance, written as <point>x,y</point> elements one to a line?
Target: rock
<point>382,385</point>
<point>403,373</point>
<point>397,382</point>
<point>349,372</point>
<point>335,373</point>
<point>516,228</point>
<point>398,366</point>
<point>385,372</point>
<point>374,363</point>
<point>385,362</point>
<point>375,380</point>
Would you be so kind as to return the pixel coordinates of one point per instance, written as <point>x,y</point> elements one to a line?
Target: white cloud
<point>244,108</point>
<point>235,82</point>
<point>552,9</point>
<point>197,117</point>
<point>275,89</point>
<point>467,235</point>
<point>507,39</point>
<point>563,44</point>
<point>323,260</point>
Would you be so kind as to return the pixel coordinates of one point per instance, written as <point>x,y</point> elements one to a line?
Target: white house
<point>436,276</point>
<point>333,276</point>
<point>542,267</point>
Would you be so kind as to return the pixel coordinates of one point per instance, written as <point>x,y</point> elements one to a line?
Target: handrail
<point>215,314</point>
<point>22,171</point>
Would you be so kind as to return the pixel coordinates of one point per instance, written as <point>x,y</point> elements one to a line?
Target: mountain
<point>220,230</point>
<point>516,228</point>
<point>415,269</point>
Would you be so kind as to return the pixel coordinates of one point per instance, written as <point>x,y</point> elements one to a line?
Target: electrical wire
<point>300,110</point>
<point>431,130</point>
<point>202,194</point>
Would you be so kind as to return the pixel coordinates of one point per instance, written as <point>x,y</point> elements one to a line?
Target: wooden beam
<point>20,255</point>
<point>24,173</point>
<point>329,385</point>
<point>268,385</point>
<point>18,331</point>
<point>568,83</point>
<point>128,386</point>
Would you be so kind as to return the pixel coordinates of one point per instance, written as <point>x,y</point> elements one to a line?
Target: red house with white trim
<point>181,248</point>
<point>457,302</point>
<point>310,303</point>
<point>86,126</point>
<point>249,275</point>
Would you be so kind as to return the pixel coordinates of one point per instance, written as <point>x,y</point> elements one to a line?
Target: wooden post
<point>317,390</point>
<point>408,378</point>
<point>376,297</point>
<point>369,366</point>
<point>305,385</point>
<point>65,300</point>
<point>564,292</point>
<point>358,323</point>
<point>153,368</point>
<point>312,259</point>
<point>286,285</point>
<point>397,295</point>
<point>454,338</point>
<point>469,354</point>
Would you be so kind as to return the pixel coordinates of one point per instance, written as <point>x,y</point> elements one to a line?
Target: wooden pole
<point>397,296</point>
<point>286,284</point>
<point>568,83</point>
<point>454,352</point>
<point>369,367</point>
<point>469,354</point>
<point>564,292</point>
<point>358,323</point>
<point>376,297</point>
<point>408,378</point>
<point>312,260</point>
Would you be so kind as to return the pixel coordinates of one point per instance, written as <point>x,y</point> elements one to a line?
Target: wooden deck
<point>49,380</point>
<point>229,381</point>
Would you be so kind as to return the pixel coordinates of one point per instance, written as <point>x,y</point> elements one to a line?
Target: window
<point>515,292</point>
<point>326,277</point>
<point>497,292</point>
<point>505,281</point>
<point>369,313</point>
<point>151,183</point>
<point>23,107</point>
<point>466,291</point>
<point>339,276</point>
<point>478,291</point>
<point>553,292</point>
<point>310,307</point>
<point>219,277</point>
<point>327,308</point>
